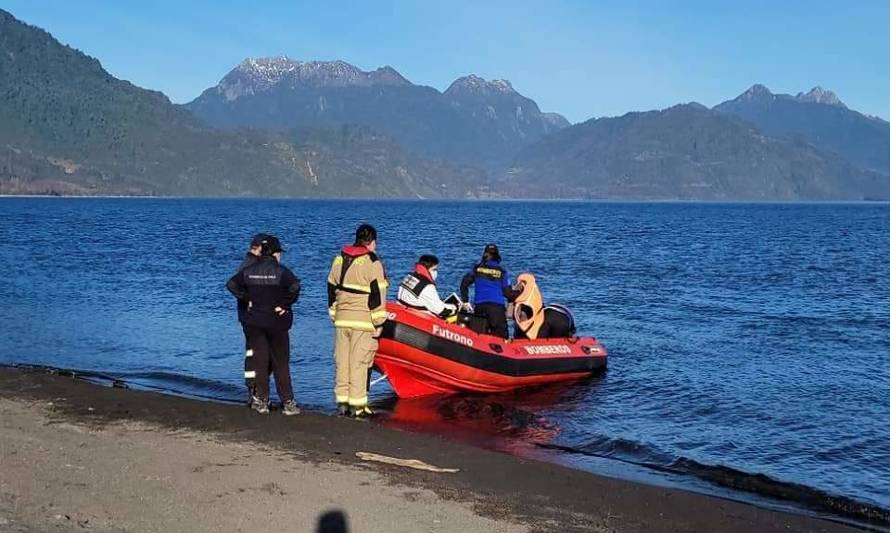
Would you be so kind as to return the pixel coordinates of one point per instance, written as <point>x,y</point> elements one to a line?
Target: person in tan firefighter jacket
<point>357,304</point>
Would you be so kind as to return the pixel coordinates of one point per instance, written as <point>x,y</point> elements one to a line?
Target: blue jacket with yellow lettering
<point>492,283</point>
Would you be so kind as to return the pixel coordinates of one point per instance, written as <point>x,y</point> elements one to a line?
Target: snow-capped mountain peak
<point>270,68</point>
<point>258,75</point>
<point>475,84</point>
<point>818,95</point>
<point>756,92</point>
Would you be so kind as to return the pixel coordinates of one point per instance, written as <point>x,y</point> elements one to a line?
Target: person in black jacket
<point>269,291</point>
<point>559,323</point>
<point>250,258</point>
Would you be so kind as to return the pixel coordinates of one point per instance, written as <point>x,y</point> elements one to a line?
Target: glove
<point>466,307</point>
<point>448,311</point>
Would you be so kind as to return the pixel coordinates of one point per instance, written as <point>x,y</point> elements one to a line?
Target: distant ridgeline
<point>280,127</point>
<point>474,121</point>
<point>69,127</point>
<point>687,152</point>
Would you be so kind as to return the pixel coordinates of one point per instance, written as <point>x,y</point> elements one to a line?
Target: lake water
<point>749,343</point>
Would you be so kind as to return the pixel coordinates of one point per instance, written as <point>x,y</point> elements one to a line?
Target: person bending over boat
<point>492,291</point>
<point>418,289</point>
<point>533,319</point>
<point>357,304</point>
<point>269,290</point>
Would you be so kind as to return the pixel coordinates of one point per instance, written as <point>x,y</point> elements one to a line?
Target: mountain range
<point>473,121</point>
<point>69,127</point>
<point>758,146</point>
<point>685,152</point>
<point>281,127</point>
<point>817,117</point>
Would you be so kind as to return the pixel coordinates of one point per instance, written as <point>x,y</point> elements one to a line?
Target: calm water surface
<point>744,339</point>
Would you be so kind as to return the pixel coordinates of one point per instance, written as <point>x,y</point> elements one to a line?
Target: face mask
<point>434,274</point>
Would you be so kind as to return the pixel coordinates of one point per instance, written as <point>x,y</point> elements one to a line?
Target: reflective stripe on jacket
<point>357,289</point>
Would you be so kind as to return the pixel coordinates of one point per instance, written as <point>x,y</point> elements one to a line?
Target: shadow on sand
<point>332,522</point>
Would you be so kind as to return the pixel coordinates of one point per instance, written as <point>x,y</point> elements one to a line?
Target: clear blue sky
<point>581,58</point>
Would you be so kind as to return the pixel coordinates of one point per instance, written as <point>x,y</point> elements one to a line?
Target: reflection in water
<point>517,423</point>
<point>510,422</point>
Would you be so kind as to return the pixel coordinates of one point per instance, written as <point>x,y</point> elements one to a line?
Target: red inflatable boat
<point>421,354</point>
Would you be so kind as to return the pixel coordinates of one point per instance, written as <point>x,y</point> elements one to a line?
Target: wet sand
<point>74,455</point>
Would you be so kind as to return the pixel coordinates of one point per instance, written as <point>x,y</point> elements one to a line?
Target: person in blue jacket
<point>492,291</point>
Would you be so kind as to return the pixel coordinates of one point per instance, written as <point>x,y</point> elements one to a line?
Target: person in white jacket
<point>418,289</point>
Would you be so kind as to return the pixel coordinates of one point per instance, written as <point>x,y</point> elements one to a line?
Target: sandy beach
<point>74,455</point>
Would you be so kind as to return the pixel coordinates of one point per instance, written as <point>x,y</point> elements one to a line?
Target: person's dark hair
<point>491,253</point>
<point>429,261</point>
<point>365,235</point>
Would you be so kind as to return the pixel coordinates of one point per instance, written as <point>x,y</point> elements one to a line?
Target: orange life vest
<point>528,307</point>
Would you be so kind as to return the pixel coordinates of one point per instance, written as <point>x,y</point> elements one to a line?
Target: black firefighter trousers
<point>249,372</point>
<point>496,318</point>
<point>270,350</point>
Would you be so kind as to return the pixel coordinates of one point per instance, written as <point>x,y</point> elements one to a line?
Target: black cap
<point>258,239</point>
<point>271,245</point>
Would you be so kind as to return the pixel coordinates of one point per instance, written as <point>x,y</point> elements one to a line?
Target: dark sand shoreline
<point>510,491</point>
